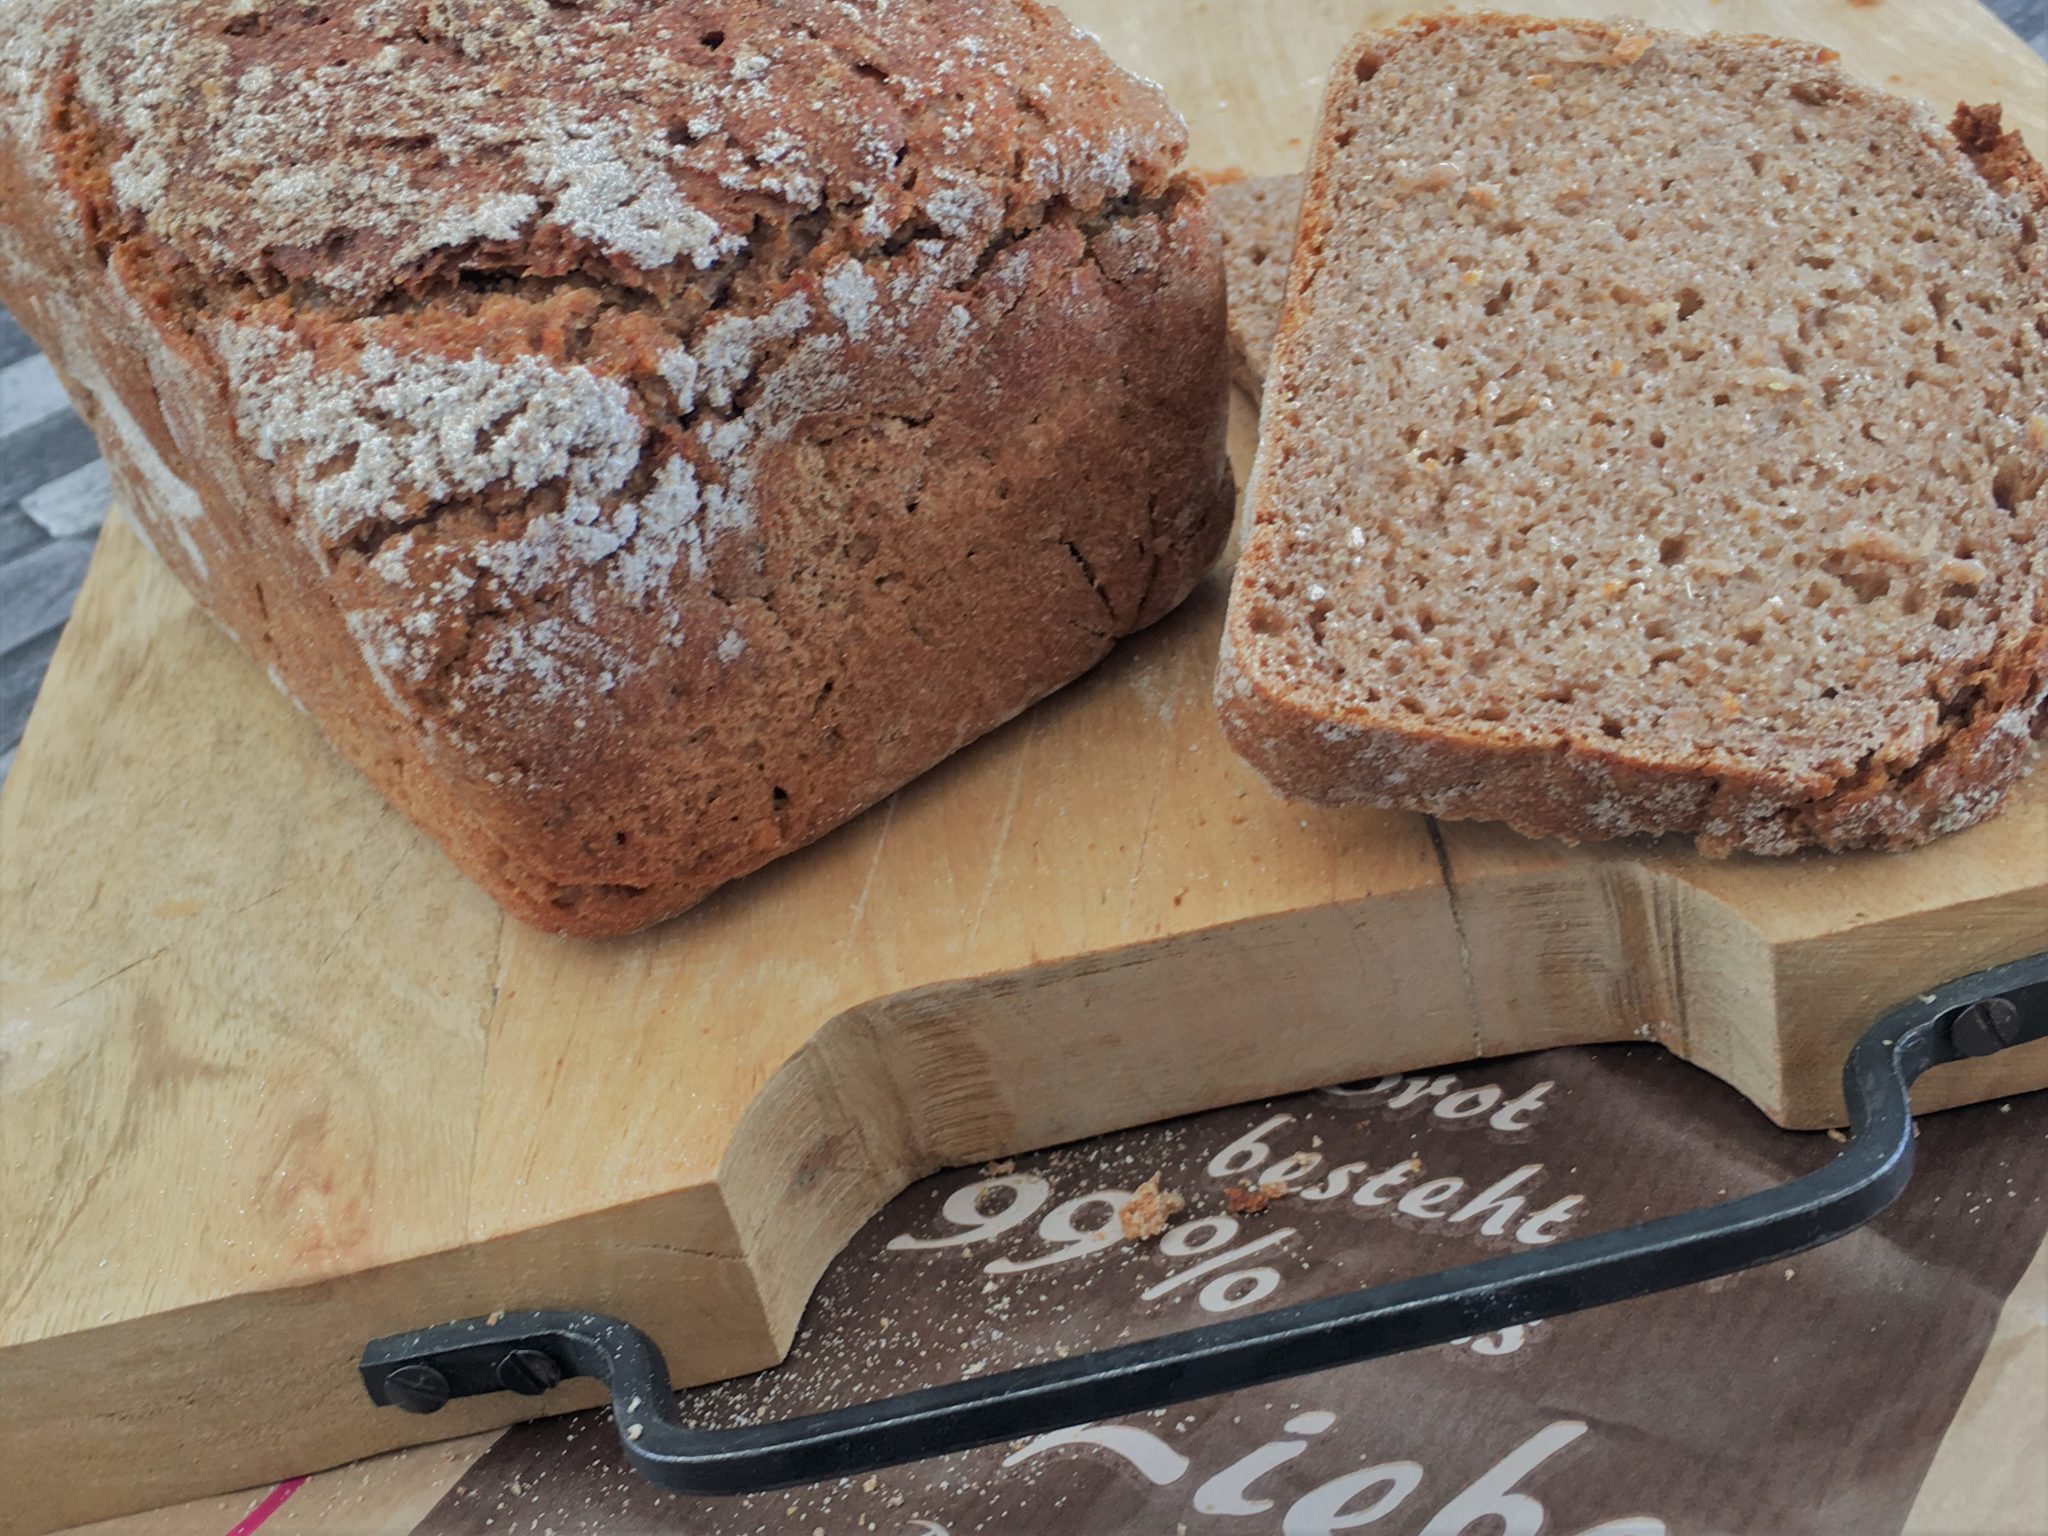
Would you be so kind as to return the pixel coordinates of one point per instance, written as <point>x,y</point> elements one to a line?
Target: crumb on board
<point>996,1170</point>
<point>1144,1216</point>
<point>1244,1200</point>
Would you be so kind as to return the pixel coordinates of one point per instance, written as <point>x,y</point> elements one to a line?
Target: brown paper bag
<point>1808,1397</point>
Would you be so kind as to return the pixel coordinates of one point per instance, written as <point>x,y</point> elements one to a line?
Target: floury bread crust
<point>1655,442</point>
<point>642,435</point>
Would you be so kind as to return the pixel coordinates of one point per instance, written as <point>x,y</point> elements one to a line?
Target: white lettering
<point>1508,1114</point>
<point>1555,1214</point>
<point>1249,1151</point>
<point>1289,1170</point>
<point>1499,1211</point>
<point>1335,1183</point>
<point>1377,1190</point>
<point>1421,1088</point>
<point>1522,1105</point>
<point>1226,1492</point>
<point>1226,1293</point>
<point>1061,1227</point>
<point>1430,1197</point>
<point>1492,1496</point>
<point>1506,1342</point>
<point>1321,1511</point>
<point>1153,1459</point>
<point>1493,1504</point>
<point>963,1209</point>
<point>1468,1102</point>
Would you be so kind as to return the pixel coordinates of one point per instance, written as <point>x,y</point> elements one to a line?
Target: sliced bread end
<point>1655,442</point>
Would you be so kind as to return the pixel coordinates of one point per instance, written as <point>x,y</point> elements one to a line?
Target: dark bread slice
<point>1655,443</point>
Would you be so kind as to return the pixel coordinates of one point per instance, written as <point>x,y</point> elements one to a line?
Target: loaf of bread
<point>1257,216</point>
<point>642,433</point>
<point>1655,443</point>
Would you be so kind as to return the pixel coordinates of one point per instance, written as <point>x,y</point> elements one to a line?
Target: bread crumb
<point>1244,1200</point>
<point>998,1169</point>
<point>1145,1215</point>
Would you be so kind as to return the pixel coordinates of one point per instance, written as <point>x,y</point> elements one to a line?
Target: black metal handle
<point>531,1351</point>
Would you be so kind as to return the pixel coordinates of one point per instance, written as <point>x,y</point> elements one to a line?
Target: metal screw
<point>1985,1027</point>
<point>416,1388</point>
<point>529,1372</point>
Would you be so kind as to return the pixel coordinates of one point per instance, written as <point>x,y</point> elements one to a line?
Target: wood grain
<point>1982,1481</point>
<point>383,1496</point>
<point>274,1079</point>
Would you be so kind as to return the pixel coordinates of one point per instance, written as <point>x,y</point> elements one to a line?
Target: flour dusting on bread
<point>374,438</point>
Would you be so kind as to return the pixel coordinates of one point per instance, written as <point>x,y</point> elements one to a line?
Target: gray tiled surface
<point>47,514</point>
<point>2029,18</point>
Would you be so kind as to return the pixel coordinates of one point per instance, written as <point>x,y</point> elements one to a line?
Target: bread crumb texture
<point>1149,1211</point>
<point>1656,443</point>
<point>642,433</point>
<point>1256,216</point>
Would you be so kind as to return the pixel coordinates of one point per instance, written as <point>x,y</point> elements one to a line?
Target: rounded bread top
<point>366,145</point>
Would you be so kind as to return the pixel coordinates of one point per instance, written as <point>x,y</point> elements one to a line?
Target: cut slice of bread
<point>1655,443</point>
<point>1257,215</point>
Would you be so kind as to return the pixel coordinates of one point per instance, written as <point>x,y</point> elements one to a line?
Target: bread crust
<point>786,395</point>
<point>1312,748</point>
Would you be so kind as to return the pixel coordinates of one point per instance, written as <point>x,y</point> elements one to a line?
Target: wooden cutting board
<point>274,1079</point>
